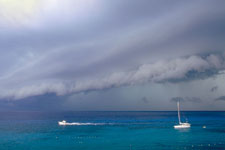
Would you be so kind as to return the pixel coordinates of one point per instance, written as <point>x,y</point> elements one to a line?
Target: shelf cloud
<point>161,71</point>
<point>73,46</point>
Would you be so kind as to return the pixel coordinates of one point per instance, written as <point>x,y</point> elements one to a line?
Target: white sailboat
<point>181,125</point>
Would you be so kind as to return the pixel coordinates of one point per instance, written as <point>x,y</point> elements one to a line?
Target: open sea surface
<point>111,131</point>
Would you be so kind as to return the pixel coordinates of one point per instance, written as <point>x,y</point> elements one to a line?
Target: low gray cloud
<point>221,98</point>
<point>176,99</point>
<point>186,99</point>
<point>145,100</point>
<point>213,89</point>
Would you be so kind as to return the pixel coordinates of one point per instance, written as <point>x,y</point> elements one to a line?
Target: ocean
<point>144,130</point>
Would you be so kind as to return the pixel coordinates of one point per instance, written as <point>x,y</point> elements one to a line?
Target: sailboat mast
<point>178,111</point>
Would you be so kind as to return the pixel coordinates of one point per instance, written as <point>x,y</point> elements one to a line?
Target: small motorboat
<point>62,122</point>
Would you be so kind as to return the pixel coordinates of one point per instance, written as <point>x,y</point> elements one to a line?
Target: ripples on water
<point>110,130</point>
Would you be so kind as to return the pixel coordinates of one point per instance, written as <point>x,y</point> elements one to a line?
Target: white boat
<point>181,125</point>
<point>62,122</point>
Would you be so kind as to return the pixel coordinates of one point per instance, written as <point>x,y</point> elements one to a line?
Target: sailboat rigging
<point>181,125</point>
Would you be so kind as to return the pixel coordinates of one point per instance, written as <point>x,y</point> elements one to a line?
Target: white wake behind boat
<point>64,123</point>
<point>181,125</point>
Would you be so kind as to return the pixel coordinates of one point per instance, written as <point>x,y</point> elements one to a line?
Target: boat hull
<point>182,126</point>
<point>61,123</point>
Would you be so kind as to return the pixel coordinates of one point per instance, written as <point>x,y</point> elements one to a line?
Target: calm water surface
<point>116,131</point>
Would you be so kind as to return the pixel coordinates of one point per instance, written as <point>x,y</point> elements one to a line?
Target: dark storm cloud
<point>103,44</point>
<point>46,102</point>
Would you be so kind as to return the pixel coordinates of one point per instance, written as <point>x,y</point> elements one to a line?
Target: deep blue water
<point>120,131</point>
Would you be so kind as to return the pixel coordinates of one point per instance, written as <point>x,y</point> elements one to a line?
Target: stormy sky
<point>112,55</point>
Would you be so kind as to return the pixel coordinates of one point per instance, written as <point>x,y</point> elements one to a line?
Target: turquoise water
<point>117,131</point>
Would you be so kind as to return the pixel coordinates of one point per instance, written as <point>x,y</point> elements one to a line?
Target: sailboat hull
<point>182,126</point>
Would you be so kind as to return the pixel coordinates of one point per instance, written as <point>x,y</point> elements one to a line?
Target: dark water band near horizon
<point>111,130</point>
